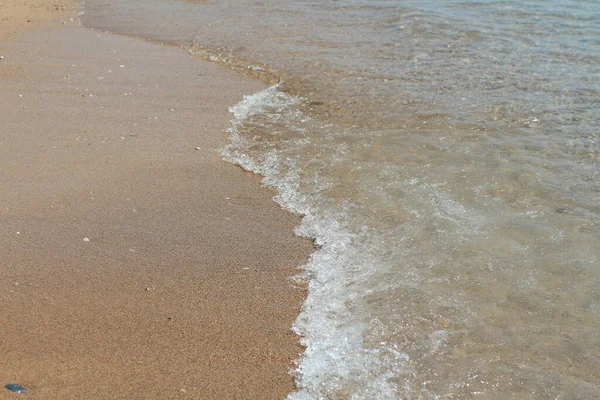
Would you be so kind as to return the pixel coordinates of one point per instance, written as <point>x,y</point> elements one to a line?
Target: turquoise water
<point>446,157</point>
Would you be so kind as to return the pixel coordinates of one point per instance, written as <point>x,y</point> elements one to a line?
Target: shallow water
<point>447,160</point>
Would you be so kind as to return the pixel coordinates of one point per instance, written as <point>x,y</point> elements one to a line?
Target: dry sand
<point>133,265</point>
<point>18,15</point>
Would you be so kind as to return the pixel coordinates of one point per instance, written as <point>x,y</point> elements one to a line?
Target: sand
<point>135,263</point>
<point>18,15</point>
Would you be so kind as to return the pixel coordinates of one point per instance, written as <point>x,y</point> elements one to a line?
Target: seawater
<point>446,159</point>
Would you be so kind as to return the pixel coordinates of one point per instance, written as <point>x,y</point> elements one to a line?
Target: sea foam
<point>330,324</point>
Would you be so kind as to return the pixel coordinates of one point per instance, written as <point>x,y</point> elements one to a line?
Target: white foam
<point>332,321</point>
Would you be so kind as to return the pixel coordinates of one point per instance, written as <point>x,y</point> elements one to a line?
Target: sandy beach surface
<point>135,263</point>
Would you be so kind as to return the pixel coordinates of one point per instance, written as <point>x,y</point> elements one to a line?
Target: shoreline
<point>140,265</point>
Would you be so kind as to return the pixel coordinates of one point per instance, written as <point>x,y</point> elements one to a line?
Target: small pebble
<point>16,388</point>
<point>198,148</point>
<point>86,239</point>
<point>1,58</point>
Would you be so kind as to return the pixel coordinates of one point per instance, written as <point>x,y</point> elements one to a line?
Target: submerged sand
<point>136,264</point>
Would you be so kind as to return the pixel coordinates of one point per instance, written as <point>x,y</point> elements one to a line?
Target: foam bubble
<point>332,322</point>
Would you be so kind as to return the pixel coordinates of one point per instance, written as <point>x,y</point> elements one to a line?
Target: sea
<point>445,158</point>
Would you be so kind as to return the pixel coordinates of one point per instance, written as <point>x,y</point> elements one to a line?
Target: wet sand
<point>136,264</point>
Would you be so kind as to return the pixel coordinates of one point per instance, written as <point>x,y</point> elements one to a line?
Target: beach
<point>441,160</point>
<point>136,264</point>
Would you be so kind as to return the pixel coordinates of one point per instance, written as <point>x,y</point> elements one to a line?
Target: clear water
<point>446,156</point>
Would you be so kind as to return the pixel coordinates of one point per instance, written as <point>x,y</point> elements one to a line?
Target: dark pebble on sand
<point>14,387</point>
